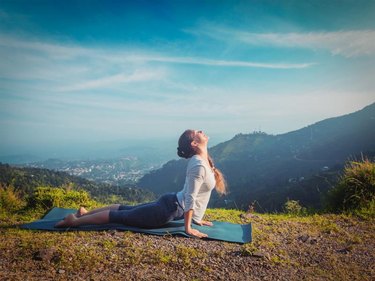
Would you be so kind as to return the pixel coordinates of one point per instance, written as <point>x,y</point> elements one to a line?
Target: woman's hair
<point>221,184</point>
<point>186,150</point>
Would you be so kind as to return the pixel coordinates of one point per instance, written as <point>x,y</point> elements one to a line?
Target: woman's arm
<point>194,232</point>
<point>195,179</point>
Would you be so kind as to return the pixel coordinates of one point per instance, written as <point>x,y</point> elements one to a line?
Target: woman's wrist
<point>188,218</point>
<point>188,227</point>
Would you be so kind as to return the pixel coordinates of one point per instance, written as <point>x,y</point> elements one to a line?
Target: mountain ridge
<point>26,179</point>
<point>259,164</point>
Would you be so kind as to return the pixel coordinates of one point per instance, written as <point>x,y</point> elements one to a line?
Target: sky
<point>87,72</point>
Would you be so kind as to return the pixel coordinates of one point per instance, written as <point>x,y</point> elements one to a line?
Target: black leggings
<point>148,215</point>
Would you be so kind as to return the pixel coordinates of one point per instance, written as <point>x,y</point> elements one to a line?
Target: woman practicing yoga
<point>190,203</point>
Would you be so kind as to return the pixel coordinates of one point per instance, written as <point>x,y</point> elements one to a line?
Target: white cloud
<point>211,62</point>
<point>350,43</point>
<point>72,64</point>
<point>138,75</point>
<point>141,91</point>
<point>211,108</point>
<point>50,50</point>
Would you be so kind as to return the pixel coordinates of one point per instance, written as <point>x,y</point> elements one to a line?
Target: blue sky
<point>74,72</point>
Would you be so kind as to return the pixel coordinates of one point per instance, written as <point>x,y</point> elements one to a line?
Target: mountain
<point>25,180</point>
<point>269,169</point>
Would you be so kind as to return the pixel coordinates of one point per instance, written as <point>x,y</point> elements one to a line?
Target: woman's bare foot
<point>67,222</point>
<point>81,211</point>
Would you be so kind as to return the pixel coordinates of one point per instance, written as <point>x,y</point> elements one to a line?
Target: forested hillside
<point>269,169</point>
<point>25,180</point>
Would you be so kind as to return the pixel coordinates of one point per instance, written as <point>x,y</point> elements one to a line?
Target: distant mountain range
<point>269,169</point>
<point>25,180</point>
<point>151,151</point>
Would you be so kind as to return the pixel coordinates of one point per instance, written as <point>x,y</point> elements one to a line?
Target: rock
<point>303,238</point>
<point>313,241</point>
<point>61,271</point>
<point>344,250</point>
<point>260,255</point>
<point>47,255</point>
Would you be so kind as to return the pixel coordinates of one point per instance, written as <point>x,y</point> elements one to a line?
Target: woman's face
<point>200,137</point>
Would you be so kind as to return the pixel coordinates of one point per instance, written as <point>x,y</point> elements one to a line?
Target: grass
<point>232,215</point>
<point>310,244</point>
<point>355,191</point>
<point>272,233</point>
<point>92,250</point>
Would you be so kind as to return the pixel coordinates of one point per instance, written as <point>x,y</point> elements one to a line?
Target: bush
<point>47,197</point>
<point>355,189</point>
<point>10,200</point>
<point>293,207</point>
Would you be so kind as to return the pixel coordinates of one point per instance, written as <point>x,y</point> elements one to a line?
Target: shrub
<point>48,197</point>
<point>355,189</point>
<point>10,200</point>
<point>293,207</point>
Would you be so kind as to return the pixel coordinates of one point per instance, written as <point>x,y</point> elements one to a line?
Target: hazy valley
<point>261,170</point>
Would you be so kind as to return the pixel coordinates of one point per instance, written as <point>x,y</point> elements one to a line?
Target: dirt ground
<point>301,248</point>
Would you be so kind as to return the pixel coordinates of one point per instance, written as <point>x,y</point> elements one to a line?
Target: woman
<point>190,203</point>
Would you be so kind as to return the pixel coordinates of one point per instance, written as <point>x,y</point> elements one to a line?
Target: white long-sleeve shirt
<point>199,182</point>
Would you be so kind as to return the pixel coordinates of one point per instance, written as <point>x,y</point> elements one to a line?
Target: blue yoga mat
<point>223,231</point>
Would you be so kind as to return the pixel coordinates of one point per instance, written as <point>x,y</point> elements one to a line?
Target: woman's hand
<point>206,223</point>
<point>196,233</point>
<point>190,231</point>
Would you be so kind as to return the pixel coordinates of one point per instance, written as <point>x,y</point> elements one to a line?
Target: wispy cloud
<point>48,60</point>
<point>86,88</point>
<point>110,81</point>
<point>270,112</point>
<point>350,43</point>
<point>51,50</point>
<point>210,62</point>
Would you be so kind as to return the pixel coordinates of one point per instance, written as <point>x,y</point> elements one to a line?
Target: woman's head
<point>191,142</point>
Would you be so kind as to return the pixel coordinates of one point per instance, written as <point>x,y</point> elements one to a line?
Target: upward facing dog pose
<point>190,203</point>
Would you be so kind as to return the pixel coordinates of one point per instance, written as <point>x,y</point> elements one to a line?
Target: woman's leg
<point>152,214</point>
<point>129,207</point>
<point>83,212</point>
<point>95,218</point>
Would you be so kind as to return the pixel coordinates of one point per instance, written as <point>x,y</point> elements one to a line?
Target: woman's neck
<point>203,153</point>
